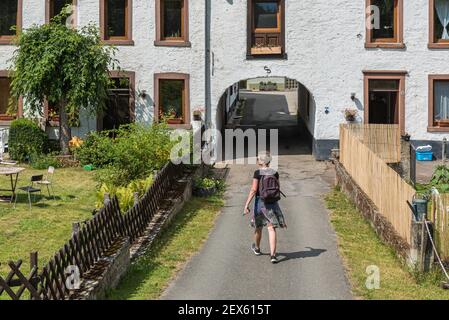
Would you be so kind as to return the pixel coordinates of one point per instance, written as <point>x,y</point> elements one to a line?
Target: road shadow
<point>311,253</point>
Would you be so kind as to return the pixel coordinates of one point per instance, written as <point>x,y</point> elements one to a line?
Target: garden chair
<point>47,181</point>
<point>31,189</point>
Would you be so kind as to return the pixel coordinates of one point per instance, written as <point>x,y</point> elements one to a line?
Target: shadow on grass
<point>23,198</point>
<point>147,265</point>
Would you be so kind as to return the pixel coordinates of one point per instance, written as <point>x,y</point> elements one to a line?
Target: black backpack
<point>269,188</point>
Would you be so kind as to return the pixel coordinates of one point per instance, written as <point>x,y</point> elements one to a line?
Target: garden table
<point>13,173</point>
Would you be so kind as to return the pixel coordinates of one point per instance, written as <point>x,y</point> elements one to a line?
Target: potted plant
<point>171,117</point>
<point>350,114</point>
<point>198,114</point>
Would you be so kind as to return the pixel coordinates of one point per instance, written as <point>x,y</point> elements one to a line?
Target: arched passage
<point>270,102</point>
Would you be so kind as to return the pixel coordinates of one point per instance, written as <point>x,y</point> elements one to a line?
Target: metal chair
<point>31,189</point>
<point>47,181</point>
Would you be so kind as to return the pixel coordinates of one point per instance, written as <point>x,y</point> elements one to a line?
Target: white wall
<point>143,58</point>
<point>324,43</point>
<point>232,98</point>
<point>326,53</point>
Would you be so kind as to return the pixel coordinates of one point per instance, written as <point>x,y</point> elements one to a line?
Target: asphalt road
<point>270,109</point>
<point>310,267</point>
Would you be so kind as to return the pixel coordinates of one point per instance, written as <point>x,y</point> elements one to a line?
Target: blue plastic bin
<point>424,156</point>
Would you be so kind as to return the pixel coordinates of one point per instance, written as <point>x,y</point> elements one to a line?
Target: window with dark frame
<point>116,21</point>
<point>9,17</point>
<point>118,105</point>
<point>54,8</point>
<point>266,27</point>
<point>172,16</point>
<point>384,98</point>
<point>172,23</point>
<point>116,15</point>
<point>52,112</point>
<point>388,32</point>
<point>438,103</point>
<point>5,98</point>
<point>383,101</point>
<point>439,23</point>
<point>172,98</point>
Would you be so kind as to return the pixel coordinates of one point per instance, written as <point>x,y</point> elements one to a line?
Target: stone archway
<point>269,102</point>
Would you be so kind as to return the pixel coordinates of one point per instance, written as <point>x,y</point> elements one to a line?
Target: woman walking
<point>265,189</point>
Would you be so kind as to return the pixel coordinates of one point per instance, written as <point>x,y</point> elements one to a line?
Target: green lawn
<point>360,247</point>
<point>49,224</point>
<point>149,276</point>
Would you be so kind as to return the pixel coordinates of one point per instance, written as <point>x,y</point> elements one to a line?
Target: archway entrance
<point>268,103</point>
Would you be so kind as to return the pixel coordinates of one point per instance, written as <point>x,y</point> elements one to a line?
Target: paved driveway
<point>310,267</point>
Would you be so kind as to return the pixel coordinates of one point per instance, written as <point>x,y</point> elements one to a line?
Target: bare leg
<point>272,238</point>
<point>258,237</point>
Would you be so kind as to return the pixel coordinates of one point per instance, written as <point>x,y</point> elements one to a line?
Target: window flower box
<point>175,121</point>
<point>443,123</point>
<point>5,117</point>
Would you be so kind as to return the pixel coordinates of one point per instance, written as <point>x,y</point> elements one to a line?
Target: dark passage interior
<point>268,103</point>
<point>383,101</point>
<point>118,107</point>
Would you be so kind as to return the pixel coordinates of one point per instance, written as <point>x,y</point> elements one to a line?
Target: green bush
<point>125,194</point>
<point>97,150</point>
<point>41,162</point>
<point>111,175</point>
<point>440,178</point>
<point>134,153</point>
<point>26,139</point>
<point>208,183</point>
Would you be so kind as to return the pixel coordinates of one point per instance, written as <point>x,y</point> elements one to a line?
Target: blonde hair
<point>264,158</point>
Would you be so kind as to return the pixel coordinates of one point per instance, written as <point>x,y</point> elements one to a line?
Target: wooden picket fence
<point>367,165</point>
<point>90,243</point>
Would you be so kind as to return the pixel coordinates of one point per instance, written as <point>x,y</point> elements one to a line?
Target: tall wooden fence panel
<point>388,191</point>
<point>439,215</point>
<point>383,139</point>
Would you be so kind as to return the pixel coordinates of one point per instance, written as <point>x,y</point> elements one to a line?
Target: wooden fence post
<point>106,199</point>
<point>136,198</point>
<point>33,264</point>
<point>75,228</point>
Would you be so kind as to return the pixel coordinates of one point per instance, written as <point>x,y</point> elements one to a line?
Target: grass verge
<point>46,228</point>
<point>360,247</point>
<point>150,274</point>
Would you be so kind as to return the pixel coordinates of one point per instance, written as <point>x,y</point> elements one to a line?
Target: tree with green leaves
<point>68,67</point>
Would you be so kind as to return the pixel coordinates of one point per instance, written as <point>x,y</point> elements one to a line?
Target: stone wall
<point>108,271</point>
<point>105,274</point>
<point>418,254</point>
<point>383,228</point>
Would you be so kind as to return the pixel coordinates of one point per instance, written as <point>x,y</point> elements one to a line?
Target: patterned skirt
<point>265,214</point>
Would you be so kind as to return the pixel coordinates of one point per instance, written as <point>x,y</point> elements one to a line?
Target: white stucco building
<point>397,72</point>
